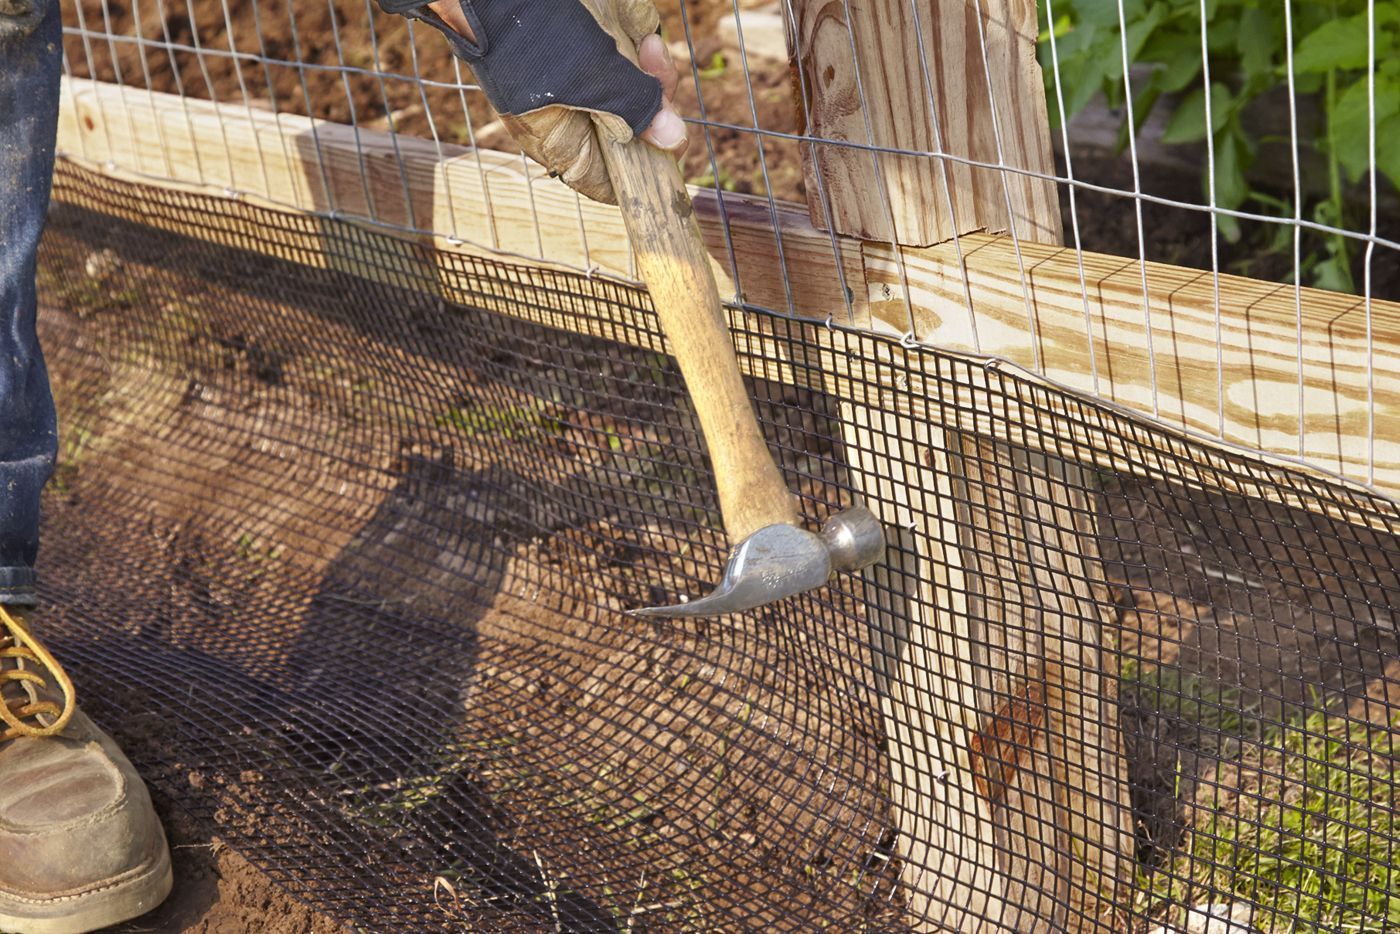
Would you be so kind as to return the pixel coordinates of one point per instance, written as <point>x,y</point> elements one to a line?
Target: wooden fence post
<point>988,641</point>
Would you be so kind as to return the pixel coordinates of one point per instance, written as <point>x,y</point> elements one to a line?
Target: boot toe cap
<point>74,816</point>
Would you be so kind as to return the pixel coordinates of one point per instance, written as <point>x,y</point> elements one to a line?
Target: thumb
<point>667,131</point>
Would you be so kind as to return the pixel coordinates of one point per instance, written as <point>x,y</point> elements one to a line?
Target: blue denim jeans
<point>31,50</point>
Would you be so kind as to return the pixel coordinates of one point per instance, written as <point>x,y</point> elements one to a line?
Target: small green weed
<point>715,68</point>
<point>76,444</point>
<point>1217,711</point>
<point>707,180</point>
<point>249,549</point>
<point>514,422</point>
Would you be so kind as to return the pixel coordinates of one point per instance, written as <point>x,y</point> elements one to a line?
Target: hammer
<point>771,555</point>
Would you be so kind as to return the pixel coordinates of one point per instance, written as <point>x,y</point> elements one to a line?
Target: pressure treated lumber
<point>921,644</point>
<point>914,77</point>
<point>1002,825</point>
<point>254,158</point>
<point>1095,339</point>
<point>474,201</point>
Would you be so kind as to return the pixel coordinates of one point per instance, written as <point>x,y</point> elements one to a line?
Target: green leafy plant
<point>1248,57</point>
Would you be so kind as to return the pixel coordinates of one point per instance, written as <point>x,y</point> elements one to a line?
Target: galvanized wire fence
<point>372,436</point>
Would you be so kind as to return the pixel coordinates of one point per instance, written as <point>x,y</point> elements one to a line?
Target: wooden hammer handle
<point>676,269</point>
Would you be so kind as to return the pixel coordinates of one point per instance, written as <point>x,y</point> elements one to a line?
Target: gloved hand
<point>555,76</point>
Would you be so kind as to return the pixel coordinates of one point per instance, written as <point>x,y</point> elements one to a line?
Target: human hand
<point>556,76</point>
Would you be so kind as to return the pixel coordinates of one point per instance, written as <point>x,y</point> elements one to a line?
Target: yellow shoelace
<point>24,660</point>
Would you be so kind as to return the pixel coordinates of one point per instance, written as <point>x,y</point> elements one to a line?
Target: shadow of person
<point>382,678</point>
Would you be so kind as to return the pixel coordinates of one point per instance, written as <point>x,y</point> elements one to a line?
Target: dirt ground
<point>292,514</point>
<point>218,892</point>
<point>240,421</point>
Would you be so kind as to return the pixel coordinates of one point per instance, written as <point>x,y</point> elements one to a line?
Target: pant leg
<point>30,66</point>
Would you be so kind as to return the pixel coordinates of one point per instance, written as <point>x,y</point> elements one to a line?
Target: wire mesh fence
<point>354,489</point>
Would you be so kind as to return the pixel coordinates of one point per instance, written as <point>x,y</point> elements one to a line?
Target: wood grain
<point>912,76</point>
<point>672,261</point>
<point>922,644</point>
<point>462,200</point>
<point>1039,323</point>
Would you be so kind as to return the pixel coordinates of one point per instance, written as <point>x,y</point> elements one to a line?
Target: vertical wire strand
<point>525,170</point>
<point>85,36</point>
<point>1073,200</point>
<point>389,118</point>
<point>1214,227</point>
<point>1137,207</point>
<point>120,81</point>
<point>179,87</point>
<point>213,93</point>
<point>71,98</point>
<point>1032,325</point>
<point>822,198</point>
<point>271,90</point>
<point>432,130</point>
<point>1370,243</point>
<point>1297,217</point>
<point>470,124</point>
<point>371,208</point>
<point>322,163</point>
<point>150,89</point>
<point>713,157</point>
<point>885,204</point>
<point>941,154</point>
<point>237,67</point>
<point>762,164</point>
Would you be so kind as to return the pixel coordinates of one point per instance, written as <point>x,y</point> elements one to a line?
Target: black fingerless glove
<point>531,54</point>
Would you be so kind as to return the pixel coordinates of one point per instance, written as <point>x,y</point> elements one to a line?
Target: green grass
<point>1310,838</point>
<point>1219,711</point>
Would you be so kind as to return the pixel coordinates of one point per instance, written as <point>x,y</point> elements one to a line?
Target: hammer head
<point>783,560</point>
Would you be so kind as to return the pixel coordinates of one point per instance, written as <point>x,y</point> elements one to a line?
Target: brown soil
<point>218,892</point>
<point>1221,596</point>
<point>289,519</point>
<point>1235,614</point>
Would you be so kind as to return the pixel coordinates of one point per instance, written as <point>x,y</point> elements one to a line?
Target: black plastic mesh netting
<point>342,563</point>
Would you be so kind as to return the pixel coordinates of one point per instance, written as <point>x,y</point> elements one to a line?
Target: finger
<point>450,12</point>
<point>656,61</point>
<point>667,131</point>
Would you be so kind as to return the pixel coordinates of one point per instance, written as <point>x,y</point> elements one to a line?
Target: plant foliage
<point>1248,58</point>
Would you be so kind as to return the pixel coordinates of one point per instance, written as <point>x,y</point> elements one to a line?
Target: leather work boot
<point>80,846</point>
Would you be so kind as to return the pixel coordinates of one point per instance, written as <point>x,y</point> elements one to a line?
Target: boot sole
<point>78,914</point>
